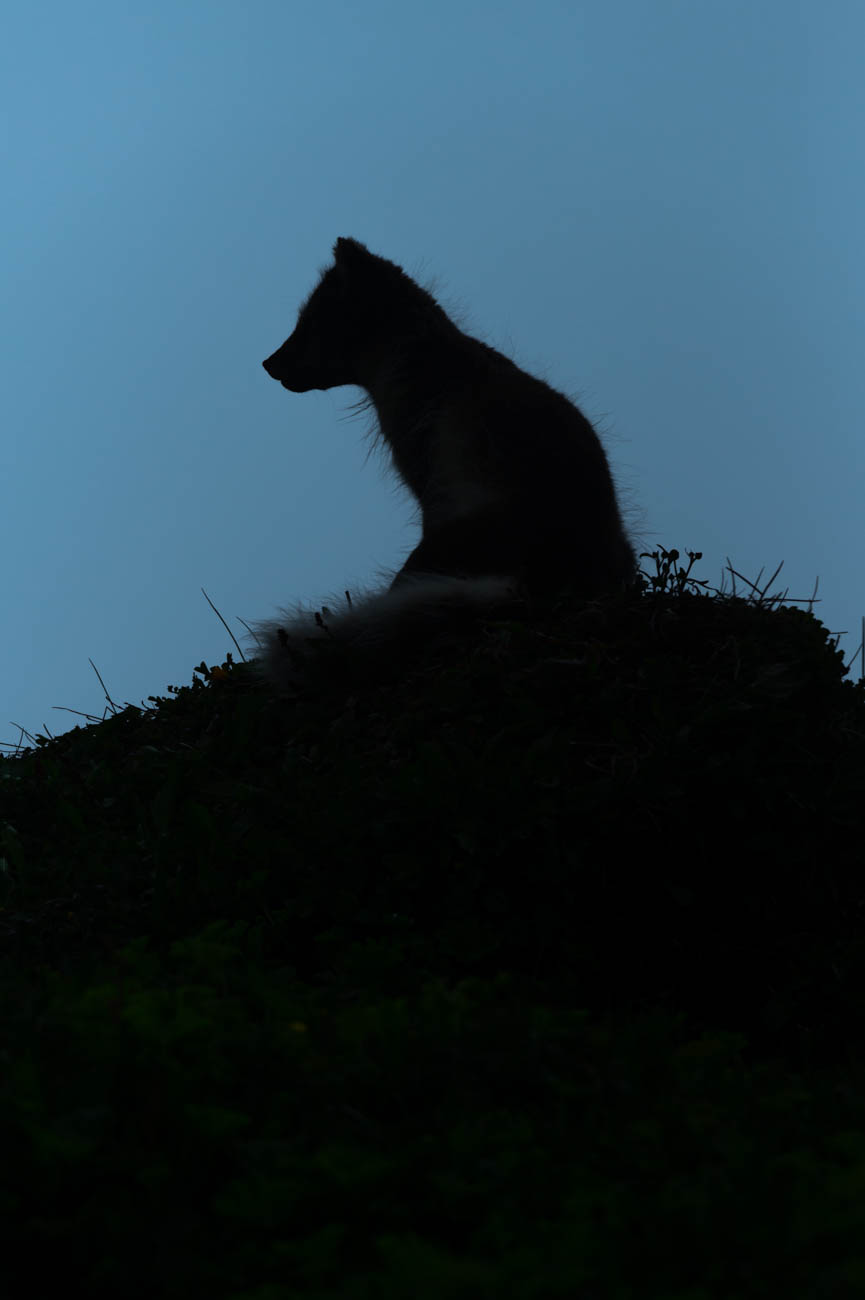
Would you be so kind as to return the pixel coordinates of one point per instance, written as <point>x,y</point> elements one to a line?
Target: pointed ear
<point>349,250</point>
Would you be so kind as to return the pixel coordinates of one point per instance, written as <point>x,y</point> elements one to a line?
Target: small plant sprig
<point>669,576</point>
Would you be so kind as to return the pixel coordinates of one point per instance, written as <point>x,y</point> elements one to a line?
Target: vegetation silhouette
<point>534,970</point>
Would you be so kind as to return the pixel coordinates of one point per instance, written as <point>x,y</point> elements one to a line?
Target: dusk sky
<point>656,205</point>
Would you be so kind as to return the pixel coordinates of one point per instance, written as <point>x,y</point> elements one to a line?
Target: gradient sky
<point>657,205</point>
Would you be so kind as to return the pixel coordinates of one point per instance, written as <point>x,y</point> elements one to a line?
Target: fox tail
<point>364,637</point>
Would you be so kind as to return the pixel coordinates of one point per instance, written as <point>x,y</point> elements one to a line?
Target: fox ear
<point>349,250</point>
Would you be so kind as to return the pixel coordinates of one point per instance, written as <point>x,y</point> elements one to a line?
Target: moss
<point>534,971</point>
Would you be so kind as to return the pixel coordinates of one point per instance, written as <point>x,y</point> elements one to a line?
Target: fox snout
<point>298,367</point>
<point>272,364</point>
<point>283,366</point>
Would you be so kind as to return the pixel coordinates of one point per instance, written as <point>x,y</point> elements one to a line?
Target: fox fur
<point>514,488</point>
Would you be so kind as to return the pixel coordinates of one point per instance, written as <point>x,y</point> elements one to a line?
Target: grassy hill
<point>536,970</point>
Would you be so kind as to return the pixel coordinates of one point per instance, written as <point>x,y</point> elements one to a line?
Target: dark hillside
<point>536,971</point>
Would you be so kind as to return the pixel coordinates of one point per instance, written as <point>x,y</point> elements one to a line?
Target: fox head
<point>319,353</point>
<point>361,304</point>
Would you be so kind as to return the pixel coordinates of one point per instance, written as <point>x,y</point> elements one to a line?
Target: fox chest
<point>446,465</point>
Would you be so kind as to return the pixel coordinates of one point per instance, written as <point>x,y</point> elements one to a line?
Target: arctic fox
<point>513,485</point>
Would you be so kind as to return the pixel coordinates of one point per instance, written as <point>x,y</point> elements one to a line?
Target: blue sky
<point>657,205</point>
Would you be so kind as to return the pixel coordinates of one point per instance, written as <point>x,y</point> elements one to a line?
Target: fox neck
<point>405,403</point>
<point>404,383</point>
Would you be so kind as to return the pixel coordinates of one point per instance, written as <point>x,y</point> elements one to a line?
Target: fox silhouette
<point>513,485</point>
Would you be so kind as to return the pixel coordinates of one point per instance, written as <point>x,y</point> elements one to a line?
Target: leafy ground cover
<point>534,971</point>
